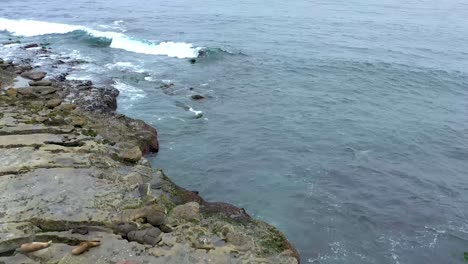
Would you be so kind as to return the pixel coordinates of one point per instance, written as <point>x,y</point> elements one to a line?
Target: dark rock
<point>227,210</point>
<point>150,236</point>
<point>34,75</point>
<point>124,228</point>
<point>197,97</point>
<point>34,45</point>
<point>156,218</point>
<point>167,85</point>
<point>40,83</point>
<point>201,53</point>
<point>166,229</point>
<point>61,77</point>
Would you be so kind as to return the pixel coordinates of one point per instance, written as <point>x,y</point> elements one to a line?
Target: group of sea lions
<point>80,249</point>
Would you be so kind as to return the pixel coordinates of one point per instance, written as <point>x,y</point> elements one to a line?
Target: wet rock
<point>34,75</point>
<point>34,45</point>
<point>167,85</point>
<point>61,77</point>
<point>197,97</point>
<point>53,103</point>
<point>227,210</point>
<point>40,83</point>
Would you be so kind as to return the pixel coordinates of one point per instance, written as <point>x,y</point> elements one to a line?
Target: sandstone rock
<point>78,121</point>
<point>131,154</point>
<point>37,91</point>
<point>61,178</point>
<point>186,212</point>
<point>53,103</point>
<point>65,107</point>
<point>11,92</point>
<point>133,179</point>
<point>34,75</point>
<point>12,235</point>
<point>40,119</point>
<point>40,83</point>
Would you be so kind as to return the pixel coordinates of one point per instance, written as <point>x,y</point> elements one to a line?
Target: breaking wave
<point>30,28</point>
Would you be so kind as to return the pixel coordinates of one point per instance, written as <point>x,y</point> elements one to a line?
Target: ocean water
<point>343,123</point>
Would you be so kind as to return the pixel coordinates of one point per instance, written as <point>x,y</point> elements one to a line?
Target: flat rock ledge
<point>72,170</point>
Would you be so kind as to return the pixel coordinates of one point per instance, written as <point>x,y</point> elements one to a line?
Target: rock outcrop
<point>73,171</point>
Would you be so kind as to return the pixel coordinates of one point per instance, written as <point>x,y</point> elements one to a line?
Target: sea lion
<point>34,246</point>
<point>85,246</point>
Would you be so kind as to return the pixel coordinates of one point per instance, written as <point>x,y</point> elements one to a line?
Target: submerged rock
<point>197,97</point>
<point>33,45</point>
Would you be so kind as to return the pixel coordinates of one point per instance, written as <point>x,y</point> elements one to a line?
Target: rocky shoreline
<point>73,171</point>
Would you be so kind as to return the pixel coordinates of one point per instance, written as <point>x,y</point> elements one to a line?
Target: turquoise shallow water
<point>343,123</point>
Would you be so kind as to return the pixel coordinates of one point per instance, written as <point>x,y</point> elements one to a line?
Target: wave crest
<point>30,28</point>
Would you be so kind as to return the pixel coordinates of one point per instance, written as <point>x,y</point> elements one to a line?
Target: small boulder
<point>124,228</point>
<point>156,218</point>
<point>150,236</point>
<point>131,154</point>
<point>11,92</point>
<point>34,75</point>
<point>40,83</point>
<point>52,103</point>
<point>78,121</point>
<point>186,212</point>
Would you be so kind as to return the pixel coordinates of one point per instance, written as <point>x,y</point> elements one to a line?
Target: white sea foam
<point>125,65</point>
<point>129,92</point>
<point>29,28</point>
<point>198,114</point>
<point>150,79</point>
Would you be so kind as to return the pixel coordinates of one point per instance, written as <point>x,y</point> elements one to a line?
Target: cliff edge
<point>72,171</point>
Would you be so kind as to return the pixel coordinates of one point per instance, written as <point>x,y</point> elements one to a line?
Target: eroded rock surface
<point>72,170</point>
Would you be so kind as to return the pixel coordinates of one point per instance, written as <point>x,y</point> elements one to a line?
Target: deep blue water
<point>343,123</point>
